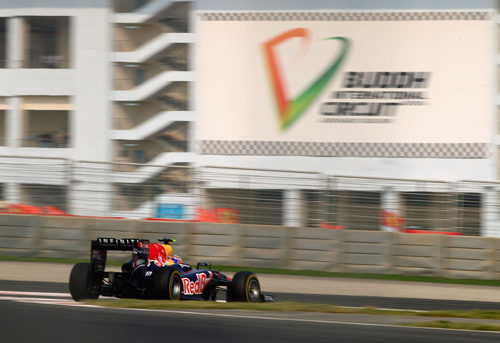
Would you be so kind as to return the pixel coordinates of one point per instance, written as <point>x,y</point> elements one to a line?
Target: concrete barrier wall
<point>262,246</point>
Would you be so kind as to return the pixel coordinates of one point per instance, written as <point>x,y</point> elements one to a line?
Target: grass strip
<point>472,314</point>
<point>212,305</point>
<point>277,271</point>
<point>444,324</point>
<point>285,306</point>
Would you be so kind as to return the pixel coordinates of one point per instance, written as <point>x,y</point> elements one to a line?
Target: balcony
<point>128,75</point>
<point>128,51</point>
<point>153,125</point>
<point>152,86</point>
<point>171,140</point>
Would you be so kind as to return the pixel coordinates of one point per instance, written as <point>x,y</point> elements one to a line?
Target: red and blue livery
<point>154,272</point>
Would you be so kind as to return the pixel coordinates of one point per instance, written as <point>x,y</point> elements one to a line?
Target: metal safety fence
<point>246,196</point>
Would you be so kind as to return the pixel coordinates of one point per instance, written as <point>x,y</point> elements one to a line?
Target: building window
<point>46,129</point>
<point>48,42</point>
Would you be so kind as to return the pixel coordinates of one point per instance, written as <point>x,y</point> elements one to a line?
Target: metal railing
<point>251,196</point>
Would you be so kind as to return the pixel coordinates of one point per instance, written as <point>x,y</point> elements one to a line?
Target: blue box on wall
<point>170,211</point>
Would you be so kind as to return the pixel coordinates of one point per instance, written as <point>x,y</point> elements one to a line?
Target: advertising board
<point>362,84</point>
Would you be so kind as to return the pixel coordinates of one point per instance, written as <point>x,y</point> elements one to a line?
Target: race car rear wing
<point>123,244</point>
<point>99,249</point>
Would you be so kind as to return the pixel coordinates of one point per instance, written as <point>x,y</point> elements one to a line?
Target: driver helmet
<point>176,259</point>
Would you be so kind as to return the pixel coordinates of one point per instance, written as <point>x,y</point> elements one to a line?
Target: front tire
<point>167,284</point>
<point>245,287</point>
<point>79,282</point>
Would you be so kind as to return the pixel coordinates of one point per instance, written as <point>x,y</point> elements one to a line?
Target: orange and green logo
<point>289,110</point>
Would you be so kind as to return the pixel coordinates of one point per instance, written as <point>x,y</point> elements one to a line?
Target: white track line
<point>44,301</point>
<point>29,299</point>
<point>36,294</point>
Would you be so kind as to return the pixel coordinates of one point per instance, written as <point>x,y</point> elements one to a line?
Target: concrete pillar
<point>191,89</point>
<point>16,34</point>
<point>14,132</point>
<point>390,203</point>
<point>292,208</point>
<point>17,41</point>
<point>89,52</point>
<point>489,213</point>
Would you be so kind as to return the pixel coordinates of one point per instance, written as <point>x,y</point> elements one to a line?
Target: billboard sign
<point>378,84</point>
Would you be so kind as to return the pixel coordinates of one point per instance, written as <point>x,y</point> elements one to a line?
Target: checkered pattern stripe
<point>327,149</point>
<point>344,16</point>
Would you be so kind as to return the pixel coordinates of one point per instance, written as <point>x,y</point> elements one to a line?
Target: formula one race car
<point>154,273</point>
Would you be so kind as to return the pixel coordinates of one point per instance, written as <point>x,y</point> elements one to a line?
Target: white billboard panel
<point>393,84</point>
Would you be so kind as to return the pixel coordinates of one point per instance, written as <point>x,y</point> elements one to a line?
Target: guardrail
<point>263,246</point>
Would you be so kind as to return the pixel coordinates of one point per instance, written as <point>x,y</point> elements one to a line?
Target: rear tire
<point>167,284</point>
<point>244,287</point>
<point>79,282</point>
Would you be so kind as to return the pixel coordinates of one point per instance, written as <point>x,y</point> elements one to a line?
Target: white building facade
<point>145,88</point>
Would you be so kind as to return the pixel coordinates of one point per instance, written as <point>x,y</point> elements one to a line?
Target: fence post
<point>390,203</point>
<point>292,208</point>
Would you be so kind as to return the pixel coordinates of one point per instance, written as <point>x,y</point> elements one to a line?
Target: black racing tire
<point>79,282</point>
<point>244,287</point>
<point>167,284</point>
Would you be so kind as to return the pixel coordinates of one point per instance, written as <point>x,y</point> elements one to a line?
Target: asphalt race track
<point>341,300</point>
<point>25,322</point>
<point>45,322</point>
